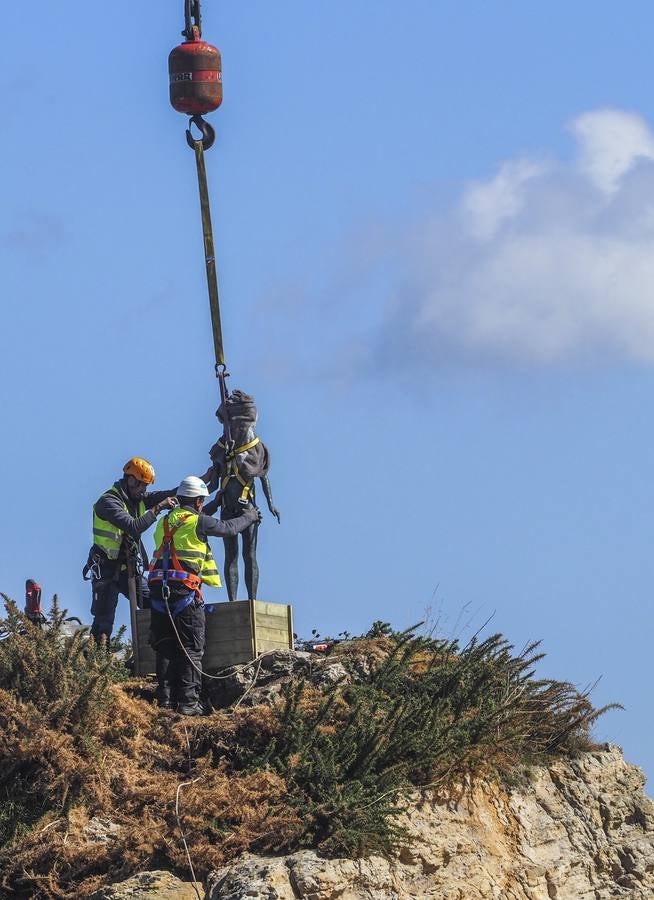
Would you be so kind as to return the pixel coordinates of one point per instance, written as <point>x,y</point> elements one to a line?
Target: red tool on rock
<point>33,609</point>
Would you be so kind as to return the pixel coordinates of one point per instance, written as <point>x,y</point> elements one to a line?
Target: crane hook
<point>208,133</point>
<point>192,20</point>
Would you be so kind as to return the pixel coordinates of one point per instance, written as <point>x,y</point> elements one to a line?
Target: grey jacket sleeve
<point>155,497</point>
<point>212,507</point>
<point>112,510</point>
<point>209,527</point>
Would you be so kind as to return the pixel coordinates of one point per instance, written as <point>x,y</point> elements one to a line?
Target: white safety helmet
<point>192,486</point>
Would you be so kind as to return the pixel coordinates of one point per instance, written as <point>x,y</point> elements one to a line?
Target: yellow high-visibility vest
<point>193,554</point>
<point>107,536</point>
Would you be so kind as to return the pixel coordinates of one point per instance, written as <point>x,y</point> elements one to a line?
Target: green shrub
<point>430,713</point>
<point>325,768</point>
<point>54,700</point>
<point>65,676</point>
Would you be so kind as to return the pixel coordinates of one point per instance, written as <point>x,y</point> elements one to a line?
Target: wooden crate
<point>236,633</point>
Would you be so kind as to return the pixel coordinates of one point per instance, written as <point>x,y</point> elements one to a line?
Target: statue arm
<point>267,490</point>
<point>211,479</point>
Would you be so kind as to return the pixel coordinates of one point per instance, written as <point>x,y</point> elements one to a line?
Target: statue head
<point>241,410</point>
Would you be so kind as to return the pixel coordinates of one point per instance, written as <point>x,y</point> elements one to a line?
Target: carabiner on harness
<point>91,571</point>
<point>165,566</point>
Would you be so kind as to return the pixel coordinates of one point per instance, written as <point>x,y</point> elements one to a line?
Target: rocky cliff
<point>397,766</point>
<point>580,829</point>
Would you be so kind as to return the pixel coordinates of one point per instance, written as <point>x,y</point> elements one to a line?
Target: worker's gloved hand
<point>275,512</point>
<point>168,503</point>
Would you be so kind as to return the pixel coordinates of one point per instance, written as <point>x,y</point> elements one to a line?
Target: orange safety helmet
<point>140,469</point>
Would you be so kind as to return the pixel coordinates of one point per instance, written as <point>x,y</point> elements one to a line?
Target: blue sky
<point>435,231</point>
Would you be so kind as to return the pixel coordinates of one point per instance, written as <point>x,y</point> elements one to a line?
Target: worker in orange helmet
<point>120,516</point>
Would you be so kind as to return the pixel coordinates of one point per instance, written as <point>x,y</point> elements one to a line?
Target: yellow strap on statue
<point>248,446</point>
<point>233,472</point>
<point>247,485</point>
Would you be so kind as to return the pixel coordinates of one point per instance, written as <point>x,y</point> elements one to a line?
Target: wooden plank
<point>238,641</point>
<point>273,634</point>
<point>272,645</point>
<point>215,629</point>
<point>216,626</point>
<point>147,661</point>
<point>218,665</point>
<point>228,625</point>
<point>224,613</point>
<point>229,647</point>
<point>230,608</point>
<point>269,609</point>
<point>272,621</point>
<point>222,661</point>
<point>148,664</point>
<point>253,624</point>
<point>289,625</point>
<point>225,637</point>
<point>214,652</point>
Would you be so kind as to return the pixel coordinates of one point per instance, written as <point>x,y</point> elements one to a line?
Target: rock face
<point>262,681</point>
<point>151,886</point>
<point>578,830</point>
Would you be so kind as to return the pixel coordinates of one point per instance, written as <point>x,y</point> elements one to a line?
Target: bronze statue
<point>236,460</point>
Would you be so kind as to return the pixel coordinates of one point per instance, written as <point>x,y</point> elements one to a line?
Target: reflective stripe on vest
<point>194,555</point>
<point>107,536</point>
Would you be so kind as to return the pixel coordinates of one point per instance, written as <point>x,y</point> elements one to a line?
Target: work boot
<point>162,696</point>
<point>190,709</point>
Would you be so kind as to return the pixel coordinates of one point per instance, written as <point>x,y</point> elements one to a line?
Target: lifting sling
<point>195,89</point>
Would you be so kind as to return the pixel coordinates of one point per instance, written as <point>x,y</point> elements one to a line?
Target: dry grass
<point>324,769</point>
<point>133,782</point>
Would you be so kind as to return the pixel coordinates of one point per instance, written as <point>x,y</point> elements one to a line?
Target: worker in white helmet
<point>182,564</point>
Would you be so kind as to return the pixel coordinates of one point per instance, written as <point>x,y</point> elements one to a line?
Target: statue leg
<point>250,560</point>
<point>231,566</point>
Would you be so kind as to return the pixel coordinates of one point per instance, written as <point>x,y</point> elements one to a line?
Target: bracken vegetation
<point>96,783</point>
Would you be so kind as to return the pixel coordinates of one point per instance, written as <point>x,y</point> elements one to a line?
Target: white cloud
<point>486,204</point>
<point>611,142</point>
<point>543,262</point>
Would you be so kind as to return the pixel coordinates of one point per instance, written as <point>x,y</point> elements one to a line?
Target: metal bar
<point>133,606</point>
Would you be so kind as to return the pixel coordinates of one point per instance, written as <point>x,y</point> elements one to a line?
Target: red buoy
<point>196,83</point>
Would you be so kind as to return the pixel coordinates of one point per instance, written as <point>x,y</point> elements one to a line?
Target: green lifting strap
<point>209,254</point>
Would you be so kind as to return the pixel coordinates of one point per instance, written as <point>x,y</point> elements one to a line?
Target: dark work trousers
<point>105,599</point>
<point>181,683</point>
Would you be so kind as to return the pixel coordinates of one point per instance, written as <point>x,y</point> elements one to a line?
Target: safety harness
<point>167,553</point>
<point>232,470</point>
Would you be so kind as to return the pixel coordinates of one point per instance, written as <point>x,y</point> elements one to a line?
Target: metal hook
<point>192,20</point>
<point>208,133</point>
